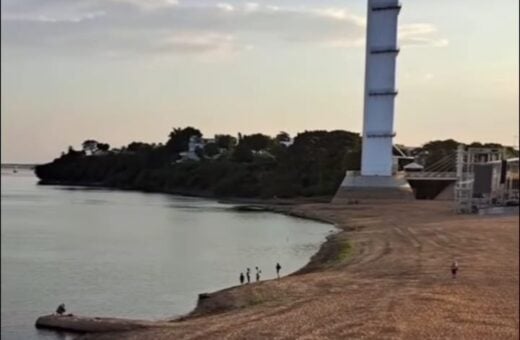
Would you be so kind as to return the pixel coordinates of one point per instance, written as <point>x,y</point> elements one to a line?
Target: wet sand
<point>386,275</point>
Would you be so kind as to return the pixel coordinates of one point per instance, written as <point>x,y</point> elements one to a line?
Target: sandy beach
<point>386,275</point>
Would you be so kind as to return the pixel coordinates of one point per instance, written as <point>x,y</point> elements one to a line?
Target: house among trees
<point>95,148</point>
<point>197,149</point>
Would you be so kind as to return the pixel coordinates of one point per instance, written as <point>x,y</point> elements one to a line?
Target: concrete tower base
<point>355,187</point>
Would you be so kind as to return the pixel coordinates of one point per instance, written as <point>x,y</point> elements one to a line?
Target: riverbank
<point>92,324</point>
<point>272,203</point>
<point>391,281</point>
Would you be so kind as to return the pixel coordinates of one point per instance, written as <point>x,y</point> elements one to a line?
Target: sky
<point>130,70</point>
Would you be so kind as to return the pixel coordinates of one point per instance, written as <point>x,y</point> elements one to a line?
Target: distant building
<point>263,153</point>
<point>99,153</point>
<point>401,157</point>
<point>195,143</point>
<point>286,143</point>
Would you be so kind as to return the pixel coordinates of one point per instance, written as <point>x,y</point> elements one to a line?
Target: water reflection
<point>128,254</point>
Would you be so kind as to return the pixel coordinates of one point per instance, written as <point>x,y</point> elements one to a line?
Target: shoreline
<point>390,278</point>
<point>216,302</point>
<point>207,303</point>
<point>195,194</point>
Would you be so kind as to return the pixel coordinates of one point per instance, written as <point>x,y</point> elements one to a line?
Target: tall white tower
<point>380,87</point>
<point>377,178</point>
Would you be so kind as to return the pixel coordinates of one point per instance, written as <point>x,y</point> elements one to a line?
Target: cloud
<point>420,34</point>
<point>225,7</point>
<point>54,19</point>
<point>143,27</point>
<point>341,14</point>
<point>251,6</point>
<point>197,42</point>
<point>149,4</point>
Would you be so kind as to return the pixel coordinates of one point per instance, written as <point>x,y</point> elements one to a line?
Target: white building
<point>195,143</point>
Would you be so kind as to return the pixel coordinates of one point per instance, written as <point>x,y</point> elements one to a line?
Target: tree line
<point>256,165</point>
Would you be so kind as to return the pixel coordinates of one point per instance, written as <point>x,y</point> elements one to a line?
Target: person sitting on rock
<point>61,309</point>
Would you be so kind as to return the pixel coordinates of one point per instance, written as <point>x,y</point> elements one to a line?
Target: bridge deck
<point>431,176</point>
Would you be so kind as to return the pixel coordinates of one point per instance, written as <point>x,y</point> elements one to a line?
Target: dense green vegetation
<point>248,166</point>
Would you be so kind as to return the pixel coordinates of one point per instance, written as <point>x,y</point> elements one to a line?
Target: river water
<point>130,254</point>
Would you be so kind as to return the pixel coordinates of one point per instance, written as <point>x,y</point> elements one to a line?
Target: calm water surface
<point>128,254</point>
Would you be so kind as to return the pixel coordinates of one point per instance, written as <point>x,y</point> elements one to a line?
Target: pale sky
<point>130,70</point>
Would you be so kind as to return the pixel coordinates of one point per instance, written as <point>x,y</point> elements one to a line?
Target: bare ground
<point>386,276</point>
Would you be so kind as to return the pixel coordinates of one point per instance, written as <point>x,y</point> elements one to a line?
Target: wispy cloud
<point>251,6</point>
<point>172,26</point>
<point>225,7</point>
<point>149,4</point>
<point>420,34</point>
<point>197,42</point>
<point>49,18</point>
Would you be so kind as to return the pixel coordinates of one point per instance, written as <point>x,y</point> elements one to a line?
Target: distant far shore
<point>18,166</point>
<point>195,193</point>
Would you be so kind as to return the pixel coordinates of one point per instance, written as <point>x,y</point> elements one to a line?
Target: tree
<point>225,141</point>
<point>103,146</point>
<point>179,139</point>
<point>138,147</point>
<point>256,141</point>
<point>319,159</point>
<point>71,154</point>
<point>242,153</point>
<point>437,154</point>
<point>352,160</point>
<point>199,152</point>
<point>283,137</point>
<point>211,149</point>
<point>511,152</point>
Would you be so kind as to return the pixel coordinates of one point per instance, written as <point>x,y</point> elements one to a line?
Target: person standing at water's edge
<point>248,275</point>
<point>241,278</point>
<point>454,269</point>
<point>278,267</point>
<point>258,271</point>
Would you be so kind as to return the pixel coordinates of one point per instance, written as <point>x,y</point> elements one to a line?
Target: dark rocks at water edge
<point>250,208</point>
<point>84,324</point>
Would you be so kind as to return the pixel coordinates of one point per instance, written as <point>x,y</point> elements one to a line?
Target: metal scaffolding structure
<point>498,179</point>
<point>464,184</point>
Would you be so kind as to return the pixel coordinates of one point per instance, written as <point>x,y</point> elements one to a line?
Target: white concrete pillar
<point>380,87</point>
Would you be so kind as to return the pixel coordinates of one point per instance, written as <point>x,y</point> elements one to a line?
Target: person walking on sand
<point>241,278</point>
<point>454,269</point>
<point>248,275</point>
<point>258,271</point>
<point>278,267</point>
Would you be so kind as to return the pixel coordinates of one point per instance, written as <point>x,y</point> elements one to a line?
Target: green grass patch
<point>345,251</point>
